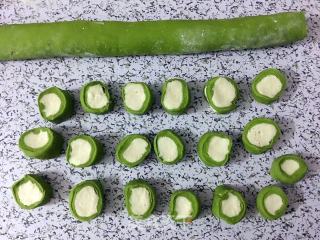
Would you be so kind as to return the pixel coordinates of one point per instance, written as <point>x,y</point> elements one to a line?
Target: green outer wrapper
<point>253,148</point>
<point>203,146</point>
<point>44,187</point>
<point>96,184</point>
<point>112,38</point>
<point>147,104</point>
<point>86,107</point>
<point>266,191</point>
<point>177,139</point>
<point>51,150</point>
<point>66,108</point>
<point>124,143</point>
<point>278,174</point>
<point>208,93</point>
<point>221,193</point>
<point>186,97</point>
<point>262,98</point>
<point>127,192</point>
<point>191,196</point>
<point>96,154</point>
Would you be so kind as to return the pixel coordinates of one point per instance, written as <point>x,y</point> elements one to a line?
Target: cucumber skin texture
<point>113,38</point>
<point>277,173</point>
<point>44,186</point>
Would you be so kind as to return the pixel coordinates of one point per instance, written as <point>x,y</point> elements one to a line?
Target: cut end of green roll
<point>31,191</point>
<point>175,97</point>
<point>55,105</point>
<point>95,98</point>
<point>260,135</point>
<point>133,150</point>
<point>272,202</point>
<point>169,147</point>
<point>288,169</point>
<point>41,143</point>
<point>214,149</point>
<point>140,199</point>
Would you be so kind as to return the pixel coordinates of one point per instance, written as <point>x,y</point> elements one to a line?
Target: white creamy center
<point>218,148</point>
<point>273,203</point>
<point>96,97</point>
<point>289,166</point>
<point>51,104</point>
<point>231,206</point>
<point>269,86</point>
<point>29,193</point>
<point>183,208</point>
<point>86,202</point>
<point>80,151</point>
<point>135,150</point>
<point>261,134</point>
<point>139,200</point>
<point>223,93</point>
<point>167,148</point>
<point>173,97</point>
<point>134,96</point>
<point>36,140</point>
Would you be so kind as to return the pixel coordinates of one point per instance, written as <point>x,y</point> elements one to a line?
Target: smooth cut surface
<point>223,93</point>
<point>139,200</point>
<point>86,202</point>
<point>183,208</point>
<point>135,150</point>
<point>80,151</point>
<point>36,140</point>
<point>174,95</point>
<point>273,203</point>
<point>134,96</point>
<point>51,103</point>
<point>96,97</point>
<point>261,134</point>
<point>218,148</point>
<point>29,193</point>
<point>231,206</point>
<point>168,149</point>
<point>269,86</point>
<point>289,166</point>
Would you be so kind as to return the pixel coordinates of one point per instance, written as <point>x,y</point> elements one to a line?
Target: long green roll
<point>113,38</point>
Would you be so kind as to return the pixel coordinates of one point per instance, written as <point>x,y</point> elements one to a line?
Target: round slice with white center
<point>272,202</point>
<point>214,149</point>
<point>169,147</point>
<point>175,97</point>
<point>260,135</point>
<point>268,86</point>
<point>84,151</point>
<point>184,206</point>
<point>95,98</point>
<point>228,204</point>
<point>41,143</point>
<point>86,200</point>
<point>140,199</point>
<point>137,97</point>
<point>133,150</point>
<point>288,169</point>
<point>222,94</point>
<point>31,191</point>
<point>55,105</point>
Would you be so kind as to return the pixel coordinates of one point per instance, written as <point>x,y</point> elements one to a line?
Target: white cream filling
<point>223,93</point>
<point>168,149</point>
<point>96,97</point>
<point>80,151</point>
<point>273,203</point>
<point>51,104</point>
<point>289,166</point>
<point>139,200</point>
<point>134,96</point>
<point>218,148</point>
<point>183,208</point>
<point>261,134</point>
<point>173,97</point>
<point>135,150</point>
<point>36,140</point>
<point>231,206</point>
<point>29,193</point>
<point>86,202</point>
<point>269,86</point>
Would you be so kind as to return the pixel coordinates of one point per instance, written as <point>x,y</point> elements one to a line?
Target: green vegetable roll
<point>222,94</point>
<point>184,206</point>
<point>86,200</point>
<point>260,135</point>
<point>84,151</point>
<point>133,150</point>
<point>288,169</point>
<point>268,86</point>
<point>140,199</point>
<point>55,105</point>
<point>228,204</point>
<point>137,97</point>
<point>214,149</point>
<point>41,143</point>
<point>95,98</point>
<point>31,191</point>
<point>175,96</point>
<point>272,202</point>
<point>169,147</point>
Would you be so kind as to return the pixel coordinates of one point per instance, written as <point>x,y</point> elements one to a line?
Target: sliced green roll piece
<point>31,191</point>
<point>214,149</point>
<point>84,151</point>
<point>137,97</point>
<point>260,135</point>
<point>133,150</point>
<point>222,94</point>
<point>268,86</point>
<point>169,147</point>
<point>288,169</point>
<point>86,200</point>
<point>228,204</point>
<point>140,199</point>
<point>175,96</point>
<point>272,202</point>
<point>184,206</point>
<point>41,143</point>
<point>55,105</point>
<point>95,98</point>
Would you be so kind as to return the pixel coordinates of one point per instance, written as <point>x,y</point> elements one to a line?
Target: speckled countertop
<point>297,113</point>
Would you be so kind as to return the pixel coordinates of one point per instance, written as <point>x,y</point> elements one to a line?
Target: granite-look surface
<point>297,114</point>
